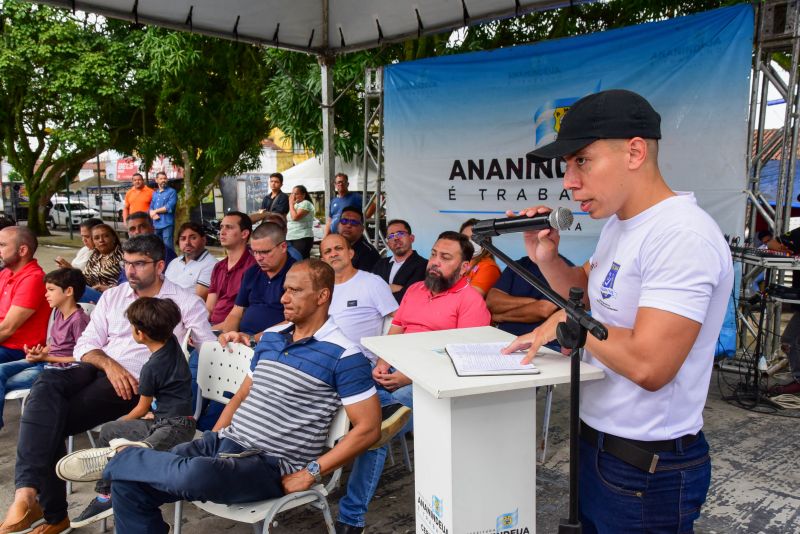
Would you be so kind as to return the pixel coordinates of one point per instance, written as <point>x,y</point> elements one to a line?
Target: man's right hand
<point>541,245</point>
<point>124,382</point>
<point>233,337</point>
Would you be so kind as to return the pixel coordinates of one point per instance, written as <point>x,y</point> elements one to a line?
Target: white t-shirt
<point>359,305</point>
<point>395,267</point>
<point>196,271</point>
<point>81,258</point>
<point>672,257</point>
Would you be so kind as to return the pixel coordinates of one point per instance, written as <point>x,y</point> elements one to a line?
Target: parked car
<point>64,213</point>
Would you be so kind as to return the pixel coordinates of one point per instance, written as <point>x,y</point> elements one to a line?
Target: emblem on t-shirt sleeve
<point>607,289</point>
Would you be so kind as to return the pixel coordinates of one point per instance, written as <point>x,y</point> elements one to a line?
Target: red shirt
<point>461,306</point>
<point>225,283</point>
<point>25,289</point>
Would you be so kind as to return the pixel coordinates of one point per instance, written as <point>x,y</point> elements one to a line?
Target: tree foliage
<point>209,112</point>
<point>69,88</point>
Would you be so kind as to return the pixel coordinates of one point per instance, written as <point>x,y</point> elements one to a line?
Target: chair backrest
<point>339,427</point>
<point>185,344</point>
<point>387,324</point>
<point>220,372</point>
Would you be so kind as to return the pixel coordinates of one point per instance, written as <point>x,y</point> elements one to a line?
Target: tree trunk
<point>186,200</point>
<point>37,213</point>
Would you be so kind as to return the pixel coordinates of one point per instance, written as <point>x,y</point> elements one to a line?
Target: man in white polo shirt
<point>192,270</point>
<point>659,279</point>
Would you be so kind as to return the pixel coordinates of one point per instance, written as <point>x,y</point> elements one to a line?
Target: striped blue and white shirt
<point>297,389</point>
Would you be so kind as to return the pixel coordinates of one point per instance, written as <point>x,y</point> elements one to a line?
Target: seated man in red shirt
<point>24,312</point>
<point>444,300</point>
<point>234,233</point>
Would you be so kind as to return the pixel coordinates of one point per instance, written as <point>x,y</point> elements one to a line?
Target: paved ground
<point>755,481</point>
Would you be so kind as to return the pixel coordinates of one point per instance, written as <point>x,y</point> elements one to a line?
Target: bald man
<point>361,300</point>
<point>23,309</point>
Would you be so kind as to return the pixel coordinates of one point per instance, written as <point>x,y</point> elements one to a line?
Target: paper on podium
<point>485,359</point>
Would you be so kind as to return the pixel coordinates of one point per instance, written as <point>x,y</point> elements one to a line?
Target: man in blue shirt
<point>343,199</point>
<point>258,304</point>
<point>162,210</point>
<point>517,307</point>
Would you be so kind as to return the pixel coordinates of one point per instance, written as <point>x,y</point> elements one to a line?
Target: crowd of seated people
<point>92,370</point>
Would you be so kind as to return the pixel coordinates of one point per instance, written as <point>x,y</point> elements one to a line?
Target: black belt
<point>640,454</point>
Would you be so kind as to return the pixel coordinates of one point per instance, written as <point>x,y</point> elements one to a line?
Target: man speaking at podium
<point>659,279</point>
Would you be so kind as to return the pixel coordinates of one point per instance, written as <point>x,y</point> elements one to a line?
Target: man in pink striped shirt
<point>100,387</point>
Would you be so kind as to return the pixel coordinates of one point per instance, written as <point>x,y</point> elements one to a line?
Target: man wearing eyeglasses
<point>351,227</point>
<point>258,304</point>
<point>342,200</point>
<point>405,267</point>
<point>102,386</point>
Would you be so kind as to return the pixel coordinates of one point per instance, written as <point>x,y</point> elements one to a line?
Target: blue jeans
<point>11,355</point>
<point>16,375</point>
<point>144,479</point>
<point>617,497</point>
<point>368,467</point>
<point>90,295</point>
<point>166,235</point>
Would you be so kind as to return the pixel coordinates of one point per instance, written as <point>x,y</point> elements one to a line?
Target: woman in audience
<point>83,255</point>
<point>300,221</point>
<point>103,268</point>
<point>483,271</point>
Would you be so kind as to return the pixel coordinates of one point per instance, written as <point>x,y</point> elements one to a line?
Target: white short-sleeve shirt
<point>672,257</point>
<point>187,275</point>
<point>359,305</point>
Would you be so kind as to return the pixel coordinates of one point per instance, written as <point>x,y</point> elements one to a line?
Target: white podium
<point>474,437</point>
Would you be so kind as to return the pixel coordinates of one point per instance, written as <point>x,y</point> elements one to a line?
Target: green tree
<point>209,112</point>
<point>68,89</point>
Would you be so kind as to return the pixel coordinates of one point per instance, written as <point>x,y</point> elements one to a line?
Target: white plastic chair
<point>548,404</point>
<point>185,344</point>
<point>219,372</point>
<point>262,514</point>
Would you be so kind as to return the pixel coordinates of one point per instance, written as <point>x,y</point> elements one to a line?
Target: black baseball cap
<point>612,114</point>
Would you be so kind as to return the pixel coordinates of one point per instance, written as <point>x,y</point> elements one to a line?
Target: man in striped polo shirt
<point>269,439</point>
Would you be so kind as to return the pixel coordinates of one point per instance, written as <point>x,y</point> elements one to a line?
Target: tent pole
<point>328,154</point>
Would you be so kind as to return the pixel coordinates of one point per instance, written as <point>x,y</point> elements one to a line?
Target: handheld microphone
<point>559,218</point>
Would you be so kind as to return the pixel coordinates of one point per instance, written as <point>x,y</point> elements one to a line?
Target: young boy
<point>63,289</point>
<point>166,379</point>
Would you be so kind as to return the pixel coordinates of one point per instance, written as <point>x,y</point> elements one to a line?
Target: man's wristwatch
<point>313,468</point>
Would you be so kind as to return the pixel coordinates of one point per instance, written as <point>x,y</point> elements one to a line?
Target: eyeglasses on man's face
<point>137,265</point>
<point>266,252</point>
<point>397,235</point>
<point>350,222</point>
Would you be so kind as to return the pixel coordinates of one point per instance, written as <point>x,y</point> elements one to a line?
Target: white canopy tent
<point>311,174</point>
<point>321,27</point>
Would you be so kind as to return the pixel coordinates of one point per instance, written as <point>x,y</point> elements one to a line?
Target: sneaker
<point>116,443</point>
<point>96,511</point>
<point>62,527</point>
<point>395,416</point>
<point>84,466</point>
<point>343,528</point>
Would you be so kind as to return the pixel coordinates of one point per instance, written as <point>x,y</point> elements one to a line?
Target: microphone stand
<point>571,335</point>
